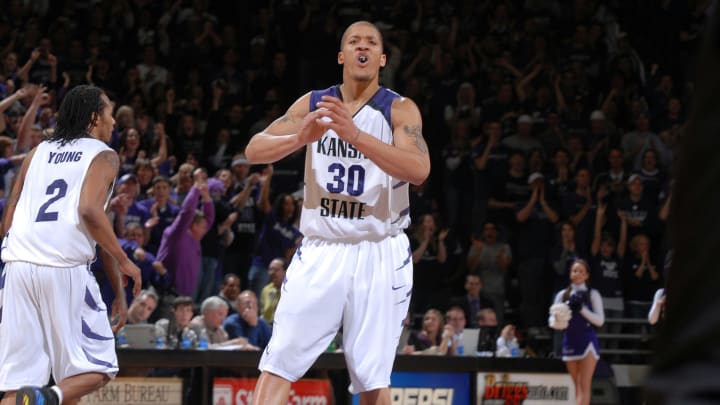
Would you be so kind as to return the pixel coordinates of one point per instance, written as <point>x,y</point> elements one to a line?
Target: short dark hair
<point>78,111</point>
<point>368,23</point>
<point>181,301</point>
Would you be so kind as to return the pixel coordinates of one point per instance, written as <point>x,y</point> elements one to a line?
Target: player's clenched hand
<point>340,118</point>
<point>310,130</point>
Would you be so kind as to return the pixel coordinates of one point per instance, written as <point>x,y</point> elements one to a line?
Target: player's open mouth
<point>363,59</point>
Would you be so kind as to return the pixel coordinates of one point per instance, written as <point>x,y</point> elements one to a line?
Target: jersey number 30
<point>44,215</point>
<point>354,182</point>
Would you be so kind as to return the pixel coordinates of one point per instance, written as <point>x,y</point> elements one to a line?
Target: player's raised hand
<point>310,130</point>
<point>340,118</point>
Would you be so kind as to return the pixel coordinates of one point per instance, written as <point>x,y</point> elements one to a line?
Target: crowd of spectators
<point>551,127</point>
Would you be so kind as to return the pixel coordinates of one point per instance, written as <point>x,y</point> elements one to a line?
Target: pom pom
<point>560,315</point>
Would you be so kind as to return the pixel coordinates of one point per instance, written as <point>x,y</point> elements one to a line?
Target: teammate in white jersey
<point>354,267</point>
<point>52,317</point>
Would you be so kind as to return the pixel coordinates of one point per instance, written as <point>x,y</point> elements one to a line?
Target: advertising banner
<point>238,391</point>
<point>137,391</point>
<point>525,389</point>
<point>408,388</point>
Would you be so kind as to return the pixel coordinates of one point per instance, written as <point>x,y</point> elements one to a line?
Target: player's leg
<point>80,341</point>
<point>23,360</point>
<point>376,397</point>
<point>307,318</point>
<point>373,317</point>
<point>271,389</point>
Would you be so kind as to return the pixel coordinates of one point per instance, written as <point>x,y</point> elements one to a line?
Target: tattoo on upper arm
<point>418,139</point>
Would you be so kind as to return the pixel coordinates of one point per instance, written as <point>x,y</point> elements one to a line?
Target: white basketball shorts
<point>363,286</point>
<point>52,319</point>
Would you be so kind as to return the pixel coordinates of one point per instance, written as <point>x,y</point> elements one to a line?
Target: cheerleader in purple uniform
<point>580,343</point>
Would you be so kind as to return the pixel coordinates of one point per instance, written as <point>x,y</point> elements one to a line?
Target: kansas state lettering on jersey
<point>347,196</point>
<point>47,229</point>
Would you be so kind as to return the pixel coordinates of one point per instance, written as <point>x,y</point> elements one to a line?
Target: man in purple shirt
<point>180,250</point>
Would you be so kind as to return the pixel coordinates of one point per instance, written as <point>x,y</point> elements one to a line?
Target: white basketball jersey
<point>347,196</point>
<point>47,229</point>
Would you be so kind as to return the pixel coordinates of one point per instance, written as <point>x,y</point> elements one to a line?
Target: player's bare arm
<point>286,134</point>
<point>12,200</point>
<point>406,159</point>
<point>99,179</point>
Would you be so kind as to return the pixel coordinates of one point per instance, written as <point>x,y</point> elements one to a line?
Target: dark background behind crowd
<point>551,128</point>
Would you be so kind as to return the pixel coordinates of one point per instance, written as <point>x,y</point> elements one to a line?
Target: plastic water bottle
<point>121,338</point>
<point>188,340</point>
<point>160,340</point>
<point>460,350</point>
<point>172,341</point>
<point>203,340</point>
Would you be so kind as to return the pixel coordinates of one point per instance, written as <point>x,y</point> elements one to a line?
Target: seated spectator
<point>455,317</point>
<point>247,322</point>
<point>230,291</point>
<point>473,301</point>
<point>487,322</point>
<point>433,338</point>
<point>507,344</point>
<point>142,307</point>
<point>213,312</point>
<point>174,327</point>
<point>270,295</point>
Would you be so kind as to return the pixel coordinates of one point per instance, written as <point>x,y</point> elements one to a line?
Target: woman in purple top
<point>580,344</point>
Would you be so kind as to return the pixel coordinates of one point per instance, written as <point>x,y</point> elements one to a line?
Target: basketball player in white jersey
<point>354,267</point>
<point>52,317</point>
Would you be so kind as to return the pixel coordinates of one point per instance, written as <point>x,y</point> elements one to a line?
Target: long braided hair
<point>78,112</point>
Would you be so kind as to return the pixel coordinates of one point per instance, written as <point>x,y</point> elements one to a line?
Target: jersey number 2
<point>44,215</point>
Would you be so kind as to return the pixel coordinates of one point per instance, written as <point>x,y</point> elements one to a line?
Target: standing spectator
<point>641,214</point>
<point>606,264</point>
<point>278,236</point>
<point>180,249</point>
<point>491,259</point>
<point>270,295</point>
<point>634,143</point>
<point>214,242</point>
<point>429,255</point>
<point>536,219</point>
<point>641,277</point>
<point>577,208</point>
